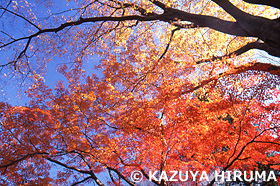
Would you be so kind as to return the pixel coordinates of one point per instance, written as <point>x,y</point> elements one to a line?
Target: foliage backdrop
<point>147,86</point>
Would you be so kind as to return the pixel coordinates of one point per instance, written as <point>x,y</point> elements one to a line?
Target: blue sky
<point>13,88</point>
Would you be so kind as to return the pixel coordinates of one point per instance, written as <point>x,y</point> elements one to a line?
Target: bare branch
<point>93,176</point>
<point>7,35</point>
<point>261,27</point>
<point>269,49</point>
<point>147,176</point>
<point>228,27</point>
<point>21,159</point>
<point>253,45</point>
<point>237,52</point>
<point>169,42</point>
<point>233,10</point>
<point>159,4</point>
<point>86,20</point>
<point>111,176</point>
<point>121,176</point>
<point>140,9</point>
<point>68,167</point>
<point>79,182</point>
<point>96,179</point>
<point>273,3</point>
<point>6,8</point>
<point>263,67</point>
<point>20,17</point>
<point>268,142</point>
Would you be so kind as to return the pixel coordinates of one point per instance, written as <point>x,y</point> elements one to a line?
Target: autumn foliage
<point>155,98</point>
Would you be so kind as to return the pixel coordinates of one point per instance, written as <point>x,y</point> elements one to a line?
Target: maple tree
<point>174,87</point>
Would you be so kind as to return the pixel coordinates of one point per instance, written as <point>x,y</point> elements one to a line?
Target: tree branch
<point>86,20</point>
<point>159,4</point>
<point>233,10</point>
<point>273,3</point>
<point>111,176</point>
<point>228,27</point>
<point>266,29</point>
<point>246,26</point>
<point>21,159</point>
<point>253,45</point>
<point>93,176</point>
<point>121,175</point>
<point>269,49</point>
<point>237,52</point>
<point>79,182</point>
<point>140,9</point>
<point>169,42</point>
<point>96,179</point>
<point>240,153</point>
<point>263,67</point>
<point>68,167</point>
<point>5,9</point>
<point>268,142</point>
<point>147,176</point>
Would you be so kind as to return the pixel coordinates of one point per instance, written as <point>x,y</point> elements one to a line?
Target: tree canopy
<point>148,86</point>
